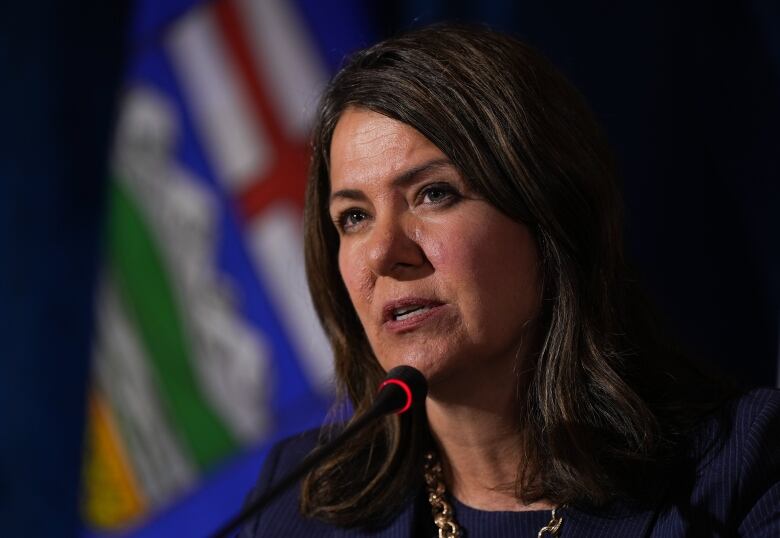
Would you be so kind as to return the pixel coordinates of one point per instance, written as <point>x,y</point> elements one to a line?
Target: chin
<point>436,369</point>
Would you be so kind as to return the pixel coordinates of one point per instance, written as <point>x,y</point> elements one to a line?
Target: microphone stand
<point>403,386</point>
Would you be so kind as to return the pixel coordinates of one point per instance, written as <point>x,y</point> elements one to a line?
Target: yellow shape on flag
<point>111,496</point>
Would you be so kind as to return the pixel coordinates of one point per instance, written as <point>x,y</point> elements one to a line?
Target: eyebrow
<point>401,180</point>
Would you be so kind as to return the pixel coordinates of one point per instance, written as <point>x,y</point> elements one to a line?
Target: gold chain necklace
<point>442,510</point>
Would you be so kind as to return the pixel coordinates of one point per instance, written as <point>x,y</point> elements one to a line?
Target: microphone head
<point>403,387</point>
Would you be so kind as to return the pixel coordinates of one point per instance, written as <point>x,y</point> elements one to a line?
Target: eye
<point>349,219</point>
<point>438,193</point>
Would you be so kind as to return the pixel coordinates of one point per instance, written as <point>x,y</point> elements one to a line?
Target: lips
<point>409,312</point>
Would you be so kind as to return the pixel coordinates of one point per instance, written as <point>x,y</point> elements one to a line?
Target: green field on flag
<point>146,290</point>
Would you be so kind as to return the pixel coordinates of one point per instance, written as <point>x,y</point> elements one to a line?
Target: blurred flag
<point>207,347</point>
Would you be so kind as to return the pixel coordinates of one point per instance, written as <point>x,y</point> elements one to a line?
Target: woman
<point>462,216</point>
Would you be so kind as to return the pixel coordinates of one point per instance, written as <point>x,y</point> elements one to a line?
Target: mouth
<point>407,313</point>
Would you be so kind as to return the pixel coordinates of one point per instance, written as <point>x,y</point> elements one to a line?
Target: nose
<point>394,250</point>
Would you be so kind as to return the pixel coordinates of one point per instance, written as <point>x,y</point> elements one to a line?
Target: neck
<point>476,427</point>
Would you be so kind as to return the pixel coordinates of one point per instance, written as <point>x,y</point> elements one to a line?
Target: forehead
<point>367,147</point>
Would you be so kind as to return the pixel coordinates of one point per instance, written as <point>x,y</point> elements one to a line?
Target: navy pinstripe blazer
<point>732,488</point>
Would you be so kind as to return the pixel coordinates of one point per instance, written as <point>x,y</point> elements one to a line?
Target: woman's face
<point>440,279</point>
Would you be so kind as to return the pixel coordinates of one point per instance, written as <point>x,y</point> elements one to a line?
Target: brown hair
<point>602,416</point>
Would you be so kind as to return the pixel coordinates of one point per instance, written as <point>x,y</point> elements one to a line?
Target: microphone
<point>403,388</point>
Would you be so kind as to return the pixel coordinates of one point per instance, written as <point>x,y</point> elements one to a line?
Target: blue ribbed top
<point>475,523</point>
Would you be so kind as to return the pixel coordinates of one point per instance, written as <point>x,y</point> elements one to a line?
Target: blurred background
<point>156,327</point>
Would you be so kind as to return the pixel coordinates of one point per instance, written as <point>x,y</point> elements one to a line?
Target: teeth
<point>408,312</point>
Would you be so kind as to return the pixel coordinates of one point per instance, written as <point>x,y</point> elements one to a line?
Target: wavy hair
<point>604,407</point>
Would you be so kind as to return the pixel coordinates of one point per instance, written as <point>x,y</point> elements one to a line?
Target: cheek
<point>492,267</point>
<point>355,279</point>
<point>464,253</point>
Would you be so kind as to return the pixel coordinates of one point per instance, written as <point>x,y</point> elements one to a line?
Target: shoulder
<point>743,428</point>
<point>282,516</point>
<point>754,410</point>
<point>756,441</point>
<point>731,483</point>
<point>287,453</point>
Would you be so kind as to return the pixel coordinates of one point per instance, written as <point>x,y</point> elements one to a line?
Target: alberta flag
<point>207,348</point>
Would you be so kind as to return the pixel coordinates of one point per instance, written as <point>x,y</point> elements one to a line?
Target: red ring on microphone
<point>404,386</point>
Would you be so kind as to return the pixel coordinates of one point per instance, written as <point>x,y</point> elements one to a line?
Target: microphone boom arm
<point>403,387</point>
